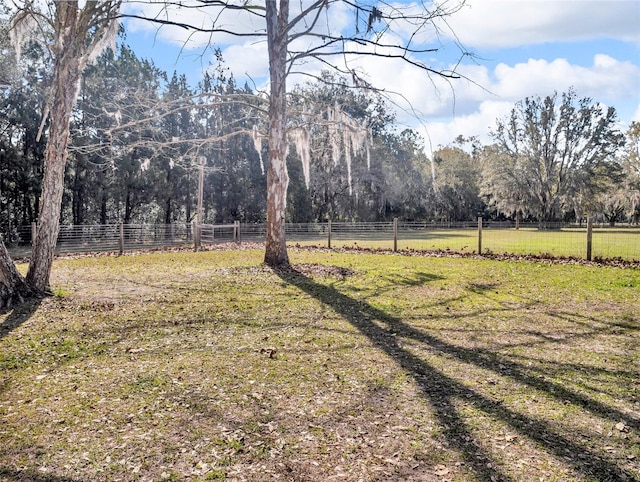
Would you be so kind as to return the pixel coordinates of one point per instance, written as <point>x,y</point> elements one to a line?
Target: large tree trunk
<point>277,176</point>
<point>13,287</point>
<point>67,72</point>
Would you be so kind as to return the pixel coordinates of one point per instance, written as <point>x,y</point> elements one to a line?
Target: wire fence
<point>579,241</point>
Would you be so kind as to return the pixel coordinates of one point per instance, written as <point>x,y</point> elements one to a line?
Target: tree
<point>335,127</point>
<point>631,167</point>
<point>624,196</point>
<point>550,155</point>
<point>21,151</point>
<point>298,36</point>
<point>234,186</point>
<point>148,134</point>
<point>102,168</point>
<point>400,183</point>
<point>457,183</point>
<point>78,36</point>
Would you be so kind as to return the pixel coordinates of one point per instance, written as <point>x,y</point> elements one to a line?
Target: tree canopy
<point>550,154</point>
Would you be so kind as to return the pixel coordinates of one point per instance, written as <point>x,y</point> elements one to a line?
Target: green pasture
<point>567,242</point>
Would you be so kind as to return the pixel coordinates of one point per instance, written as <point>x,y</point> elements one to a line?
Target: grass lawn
<point>209,366</point>
<point>567,242</point>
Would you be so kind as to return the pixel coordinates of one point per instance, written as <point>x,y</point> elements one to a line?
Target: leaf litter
<point>210,366</point>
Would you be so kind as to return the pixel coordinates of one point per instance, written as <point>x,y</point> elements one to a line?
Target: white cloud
<point>247,60</point>
<point>512,23</point>
<point>198,17</point>
<point>636,116</point>
<point>606,78</point>
<point>478,123</point>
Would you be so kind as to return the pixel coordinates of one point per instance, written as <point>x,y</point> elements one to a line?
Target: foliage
<point>295,35</point>
<point>138,134</point>
<point>628,190</point>
<point>380,182</point>
<point>551,155</point>
<point>145,136</point>
<point>458,177</point>
<point>107,179</point>
<point>22,101</point>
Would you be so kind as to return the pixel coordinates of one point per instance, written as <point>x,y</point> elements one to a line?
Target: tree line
<point>138,136</point>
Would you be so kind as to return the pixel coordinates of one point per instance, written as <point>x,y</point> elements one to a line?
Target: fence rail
<point>564,240</point>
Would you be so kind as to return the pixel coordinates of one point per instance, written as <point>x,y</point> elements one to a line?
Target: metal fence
<point>580,241</point>
<point>107,237</point>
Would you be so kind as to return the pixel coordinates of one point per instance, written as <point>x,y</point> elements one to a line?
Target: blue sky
<point>522,48</point>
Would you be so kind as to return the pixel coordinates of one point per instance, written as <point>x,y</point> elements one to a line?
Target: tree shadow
<point>443,392</point>
<point>12,475</point>
<point>417,279</point>
<point>17,316</point>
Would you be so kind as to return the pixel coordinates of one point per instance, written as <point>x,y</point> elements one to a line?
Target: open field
<point>210,366</point>
<point>567,242</point>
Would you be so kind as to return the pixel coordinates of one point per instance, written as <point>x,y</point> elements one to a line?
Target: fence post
<point>121,238</point>
<point>236,231</point>
<point>479,234</point>
<point>33,233</point>
<point>589,236</point>
<point>329,234</point>
<point>196,236</point>
<point>395,234</point>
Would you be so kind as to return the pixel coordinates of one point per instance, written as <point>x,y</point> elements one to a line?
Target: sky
<point>520,48</point>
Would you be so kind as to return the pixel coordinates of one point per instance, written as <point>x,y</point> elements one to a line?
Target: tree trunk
<point>78,201</point>
<point>128,208</point>
<point>277,176</point>
<point>103,209</point>
<point>67,72</point>
<point>167,212</point>
<point>13,287</point>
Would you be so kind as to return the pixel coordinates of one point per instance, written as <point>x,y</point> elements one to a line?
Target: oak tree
<point>551,153</point>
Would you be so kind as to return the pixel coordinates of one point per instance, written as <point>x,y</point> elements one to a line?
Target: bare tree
<point>302,33</point>
<point>75,36</point>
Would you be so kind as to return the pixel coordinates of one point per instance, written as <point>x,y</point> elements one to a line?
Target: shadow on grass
<point>11,475</point>
<point>443,392</point>
<point>17,316</point>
